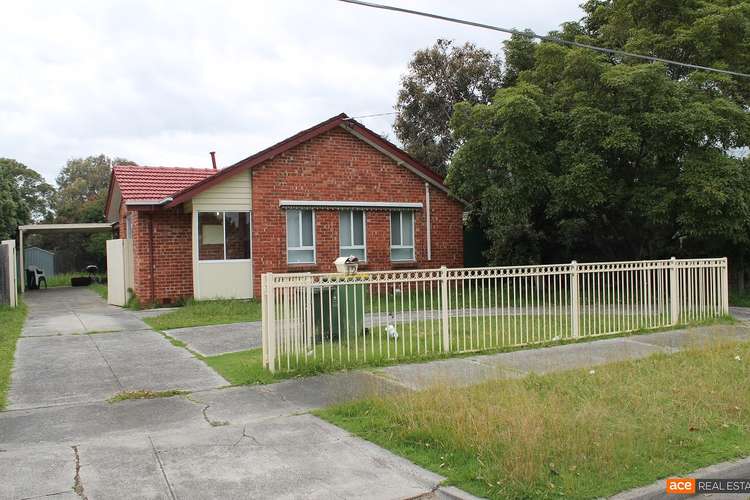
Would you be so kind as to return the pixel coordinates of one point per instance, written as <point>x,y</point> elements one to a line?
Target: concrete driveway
<point>75,348</point>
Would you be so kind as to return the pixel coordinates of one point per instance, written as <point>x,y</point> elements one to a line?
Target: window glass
<point>407,229</point>
<point>307,228</point>
<point>402,236</point>
<point>395,228</point>
<point>358,227</point>
<point>345,228</point>
<point>300,236</point>
<point>292,228</point>
<point>237,226</point>
<point>352,234</point>
<point>210,236</point>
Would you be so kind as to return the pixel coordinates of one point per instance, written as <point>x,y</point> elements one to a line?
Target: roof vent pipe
<point>213,158</point>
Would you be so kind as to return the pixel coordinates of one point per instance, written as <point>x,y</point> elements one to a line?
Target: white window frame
<point>363,246</point>
<point>224,230</point>
<point>402,246</point>
<point>313,247</point>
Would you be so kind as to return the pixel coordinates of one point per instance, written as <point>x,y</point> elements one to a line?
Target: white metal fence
<point>334,319</point>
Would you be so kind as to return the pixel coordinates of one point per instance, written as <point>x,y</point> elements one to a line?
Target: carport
<point>83,227</point>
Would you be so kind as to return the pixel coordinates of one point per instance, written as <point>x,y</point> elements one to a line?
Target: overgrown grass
<point>64,279</point>
<point>208,312</point>
<point>12,322</point>
<point>128,395</point>
<point>573,434</point>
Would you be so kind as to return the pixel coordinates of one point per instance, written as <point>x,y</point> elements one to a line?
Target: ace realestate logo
<point>681,486</point>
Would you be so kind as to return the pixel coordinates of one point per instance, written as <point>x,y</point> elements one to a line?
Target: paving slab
<point>740,313</point>
<point>219,339</point>
<point>59,370</point>
<point>570,356</point>
<point>48,471</point>
<point>458,372</point>
<point>293,457</point>
<point>696,337</point>
<point>146,360</point>
<point>76,424</point>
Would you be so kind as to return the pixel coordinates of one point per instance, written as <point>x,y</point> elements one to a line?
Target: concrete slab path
<point>219,339</point>
<point>59,360</point>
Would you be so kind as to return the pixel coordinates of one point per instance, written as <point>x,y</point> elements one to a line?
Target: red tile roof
<point>156,183</point>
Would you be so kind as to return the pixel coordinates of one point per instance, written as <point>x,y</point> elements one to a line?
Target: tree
<point>13,208</point>
<point>35,191</point>
<point>438,78</point>
<point>589,156</point>
<point>81,194</point>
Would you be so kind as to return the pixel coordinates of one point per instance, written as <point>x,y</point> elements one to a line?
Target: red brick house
<point>334,189</point>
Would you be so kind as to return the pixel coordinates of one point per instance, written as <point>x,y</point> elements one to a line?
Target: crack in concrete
<point>245,435</point>
<point>77,483</point>
<point>96,346</point>
<point>204,411</point>
<point>161,468</point>
<point>48,495</point>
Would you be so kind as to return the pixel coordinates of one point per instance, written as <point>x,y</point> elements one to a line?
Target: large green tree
<point>583,155</point>
<point>80,197</point>
<point>13,208</point>
<point>35,191</point>
<point>438,78</point>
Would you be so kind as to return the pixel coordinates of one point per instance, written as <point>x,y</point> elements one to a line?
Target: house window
<point>224,236</point>
<point>300,237</point>
<point>129,226</point>
<point>402,236</point>
<point>352,234</point>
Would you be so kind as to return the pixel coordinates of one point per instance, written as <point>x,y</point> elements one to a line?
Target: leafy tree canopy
<point>438,78</point>
<point>13,208</point>
<point>582,155</point>
<point>35,191</point>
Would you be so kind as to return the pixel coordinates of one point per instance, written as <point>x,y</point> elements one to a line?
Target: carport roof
<point>83,227</point>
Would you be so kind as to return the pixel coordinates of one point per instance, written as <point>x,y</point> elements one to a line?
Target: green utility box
<point>338,308</point>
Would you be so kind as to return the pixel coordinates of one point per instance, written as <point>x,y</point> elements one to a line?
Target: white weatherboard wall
<point>223,279</point>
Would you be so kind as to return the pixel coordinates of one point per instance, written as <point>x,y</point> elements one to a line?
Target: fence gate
<point>119,271</point>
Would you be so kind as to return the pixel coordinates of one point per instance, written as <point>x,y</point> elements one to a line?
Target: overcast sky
<point>164,83</point>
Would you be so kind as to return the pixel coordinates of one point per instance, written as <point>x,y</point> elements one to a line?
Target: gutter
<point>155,203</point>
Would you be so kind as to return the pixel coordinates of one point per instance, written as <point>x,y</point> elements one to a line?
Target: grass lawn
<point>207,312</point>
<point>573,434</point>
<point>422,340</point>
<point>242,368</point>
<point>64,279</point>
<point>12,321</point>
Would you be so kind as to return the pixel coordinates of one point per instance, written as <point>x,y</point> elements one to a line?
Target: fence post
<point>674,292</point>
<point>269,321</point>
<point>725,287</point>
<point>444,307</point>
<point>575,306</point>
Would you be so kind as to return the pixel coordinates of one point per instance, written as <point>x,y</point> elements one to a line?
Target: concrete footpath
<point>261,441</point>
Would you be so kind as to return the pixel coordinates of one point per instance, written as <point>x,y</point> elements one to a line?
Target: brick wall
<point>173,265</point>
<point>338,166</point>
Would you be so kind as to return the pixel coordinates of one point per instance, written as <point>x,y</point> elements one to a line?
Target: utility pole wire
<point>545,38</point>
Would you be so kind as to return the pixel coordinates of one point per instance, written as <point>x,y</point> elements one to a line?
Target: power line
<point>545,38</point>
<point>373,115</point>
